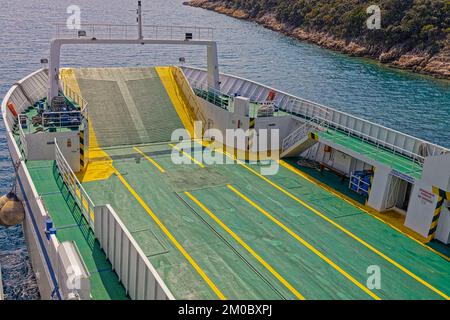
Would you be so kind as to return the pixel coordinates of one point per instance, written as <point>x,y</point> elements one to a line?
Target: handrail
<point>202,85</point>
<point>80,195</point>
<point>75,97</point>
<point>22,138</point>
<point>130,31</point>
<point>300,132</point>
<point>305,108</point>
<point>379,143</point>
<point>335,115</point>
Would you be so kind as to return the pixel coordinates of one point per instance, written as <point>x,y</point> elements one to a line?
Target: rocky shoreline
<point>437,65</point>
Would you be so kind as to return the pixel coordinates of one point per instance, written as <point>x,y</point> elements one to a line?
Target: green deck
<point>236,272</point>
<point>387,157</point>
<point>71,226</point>
<point>247,248</point>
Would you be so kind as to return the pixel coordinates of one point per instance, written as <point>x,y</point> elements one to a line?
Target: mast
<point>139,21</point>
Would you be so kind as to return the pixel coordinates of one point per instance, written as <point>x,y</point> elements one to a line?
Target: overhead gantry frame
<point>56,44</point>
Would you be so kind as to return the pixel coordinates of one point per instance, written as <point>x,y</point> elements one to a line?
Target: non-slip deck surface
<point>387,157</point>
<point>225,231</point>
<point>278,265</point>
<point>127,105</point>
<point>71,226</point>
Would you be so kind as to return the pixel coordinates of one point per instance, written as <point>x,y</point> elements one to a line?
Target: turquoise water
<point>414,104</point>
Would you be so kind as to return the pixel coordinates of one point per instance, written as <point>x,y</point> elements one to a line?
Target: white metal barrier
<point>306,109</point>
<point>301,132</point>
<point>380,145</point>
<point>214,96</point>
<point>76,189</point>
<point>135,271</point>
<point>130,31</point>
<point>75,97</point>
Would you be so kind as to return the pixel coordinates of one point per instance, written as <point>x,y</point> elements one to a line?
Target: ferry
<point>129,186</point>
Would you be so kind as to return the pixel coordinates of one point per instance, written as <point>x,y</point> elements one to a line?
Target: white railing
<point>189,94</point>
<point>61,119</point>
<point>23,139</point>
<point>381,146</point>
<point>258,92</point>
<point>135,271</point>
<point>304,108</point>
<point>301,132</point>
<point>130,32</point>
<point>212,95</point>
<point>76,98</point>
<point>76,189</point>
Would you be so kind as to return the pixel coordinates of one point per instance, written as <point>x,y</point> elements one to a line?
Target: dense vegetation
<point>411,24</point>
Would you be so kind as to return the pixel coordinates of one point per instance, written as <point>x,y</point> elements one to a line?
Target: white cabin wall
<point>284,124</point>
<point>436,171</point>
<point>421,208</point>
<point>222,119</point>
<point>379,189</point>
<point>41,146</point>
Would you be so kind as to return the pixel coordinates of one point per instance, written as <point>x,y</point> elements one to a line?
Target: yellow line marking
<point>415,277</point>
<point>356,205</point>
<point>290,195</point>
<point>187,155</point>
<point>150,160</point>
<point>172,238</point>
<point>177,97</point>
<point>242,243</point>
<point>93,170</point>
<point>306,244</point>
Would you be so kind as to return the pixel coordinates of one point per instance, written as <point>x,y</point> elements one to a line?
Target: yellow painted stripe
<point>94,170</point>
<point>150,160</point>
<point>306,244</point>
<point>172,238</point>
<point>370,247</point>
<point>415,277</point>
<point>176,95</point>
<point>356,205</point>
<point>247,247</point>
<point>187,155</point>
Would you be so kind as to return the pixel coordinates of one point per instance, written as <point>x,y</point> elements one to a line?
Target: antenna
<point>139,21</point>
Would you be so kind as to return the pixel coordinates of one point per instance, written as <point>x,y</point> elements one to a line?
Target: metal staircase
<point>302,138</point>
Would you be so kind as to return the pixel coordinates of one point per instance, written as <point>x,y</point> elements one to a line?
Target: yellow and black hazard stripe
<point>252,123</point>
<point>442,196</point>
<point>313,136</point>
<point>82,162</point>
<point>251,128</point>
